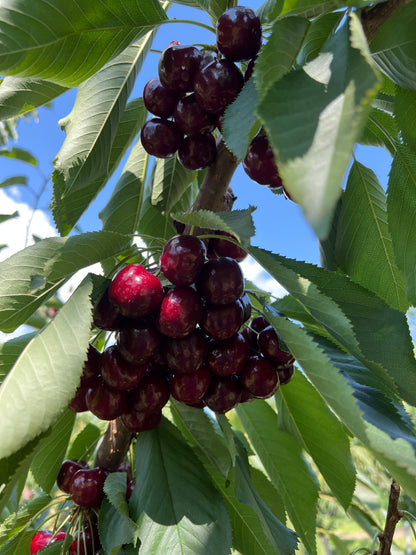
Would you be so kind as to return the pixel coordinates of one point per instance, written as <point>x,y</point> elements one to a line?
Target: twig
<point>392,518</point>
<point>114,447</point>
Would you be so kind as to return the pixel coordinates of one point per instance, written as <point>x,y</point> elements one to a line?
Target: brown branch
<point>114,446</point>
<point>373,18</point>
<point>392,518</point>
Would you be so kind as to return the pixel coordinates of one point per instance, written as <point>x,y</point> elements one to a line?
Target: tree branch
<point>373,18</point>
<point>392,518</point>
<point>114,446</point>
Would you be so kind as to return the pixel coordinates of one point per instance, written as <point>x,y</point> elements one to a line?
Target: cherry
<point>160,137</point>
<point>138,341</point>
<point>191,118</point>
<point>117,372</point>
<point>104,401</point>
<point>180,311</point>
<point>150,395</point>
<point>106,315</point>
<point>285,373</point>
<point>217,85</point>
<point>141,421</point>
<point>222,247</point>
<point>197,151</point>
<point>239,33</point>
<point>66,474</point>
<point>259,377</point>
<point>259,163</point>
<point>87,488</point>
<point>186,355</point>
<point>135,291</point>
<point>42,538</point>
<point>268,342</point>
<point>229,356</point>
<point>222,321</point>
<point>251,337</point>
<point>78,402</point>
<point>159,100</point>
<point>190,388</point>
<point>224,393</point>
<point>246,304</point>
<point>91,368</point>
<point>182,259</point>
<point>221,281</point>
<point>87,543</point>
<point>177,67</point>
<point>258,323</point>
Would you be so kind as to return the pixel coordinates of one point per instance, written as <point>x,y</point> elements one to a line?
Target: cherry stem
<point>190,21</point>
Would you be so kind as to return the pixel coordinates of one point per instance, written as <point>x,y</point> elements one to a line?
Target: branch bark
<point>392,518</point>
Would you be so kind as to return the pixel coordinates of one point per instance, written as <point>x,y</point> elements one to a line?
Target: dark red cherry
<point>87,543</point>
<point>180,311</point>
<point>191,118</point>
<point>186,355</point>
<point>87,488</point>
<point>251,337</point>
<point>197,151</point>
<point>222,321</point>
<point>104,401</point>
<point>78,403</point>
<point>246,304</point>
<point>135,291</point>
<point>138,341</point>
<point>106,315</point>
<point>141,421</point>
<point>92,366</point>
<point>229,356</point>
<point>160,137</point>
<point>117,372</point>
<point>182,259</point>
<point>285,373</point>
<point>150,395</point>
<point>177,67</point>
<point>66,474</point>
<point>222,247</point>
<point>239,33</point>
<point>221,281</point>
<point>259,377</point>
<point>224,393</point>
<point>217,85</point>
<point>190,388</point>
<point>258,323</point>
<point>260,164</point>
<point>159,100</point>
<point>268,342</point>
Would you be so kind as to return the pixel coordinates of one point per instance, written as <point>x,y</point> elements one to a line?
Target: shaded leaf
<point>114,528</point>
<point>319,31</point>
<point>168,182</point>
<point>15,522</point>
<point>5,217</point>
<point>405,115</point>
<point>19,154</point>
<point>15,180</point>
<point>85,443</point>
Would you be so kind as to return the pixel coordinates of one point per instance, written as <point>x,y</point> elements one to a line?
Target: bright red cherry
<point>135,291</point>
<point>87,488</point>
<point>186,355</point>
<point>224,393</point>
<point>182,259</point>
<point>221,281</point>
<point>229,356</point>
<point>177,67</point>
<point>190,388</point>
<point>260,164</point>
<point>180,311</point>
<point>117,372</point>
<point>239,33</point>
<point>222,321</point>
<point>217,85</point>
<point>42,538</point>
<point>259,377</point>
<point>66,474</point>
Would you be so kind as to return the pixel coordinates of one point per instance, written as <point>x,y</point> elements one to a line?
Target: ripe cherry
<point>268,342</point>
<point>104,401</point>
<point>177,67</point>
<point>239,33</point>
<point>106,315</point>
<point>186,355</point>
<point>217,85</point>
<point>42,538</point>
<point>258,323</point>
<point>182,259</point>
<point>87,488</point>
<point>117,372</point>
<point>285,373</point>
<point>138,341</point>
<point>150,395</point>
<point>87,543</point>
<point>190,388</point>
<point>66,474</point>
<point>159,100</point>
<point>229,356</point>
<point>180,311</point>
<point>259,377</point>
<point>191,118</point>
<point>260,164</point>
<point>137,422</point>
<point>197,151</point>
<point>135,291</point>
<point>224,393</point>
<point>222,247</point>
<point>222,321</point>
<point>221,281</point>
<point>160,137</point>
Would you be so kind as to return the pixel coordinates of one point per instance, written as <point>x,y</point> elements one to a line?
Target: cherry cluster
<point>187,339</point>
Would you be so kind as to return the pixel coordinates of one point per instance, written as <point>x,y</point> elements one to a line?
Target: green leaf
<point>214,8</point>
<point>278,55</point>
<point>20,95</point>
<point>85,443</point>
<point>51,453</point>
<point>363,246</point>
<point>15,522</point>
<point>319,31</point>
<point>306,8</point>
<point>237,131</point>
<point>321,434</point>
<point>68,43</point>
<point>282,458</point>
<point>380,130</point>
<point>114,528</point>
<point>20,154</point>
<point>314,116</point>
<point>360,321</point>
<point>10,352</point>
<point>34,274</point>
<point>268,493</point>
<point>405,115</point>
<point>74,204</point>
<point>92,124</point>
<point>393,47</point>
<point>18,545</point>
<point>54,359</point>
<point>401,206</point>
<point>5,217</point>
<point>15,180</point>
<point>174,502</point>
<point>169,181</point>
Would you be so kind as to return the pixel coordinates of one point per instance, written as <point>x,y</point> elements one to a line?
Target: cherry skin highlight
<point>177,67</point>
<point>179,313</point>
<point>87,488</point>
